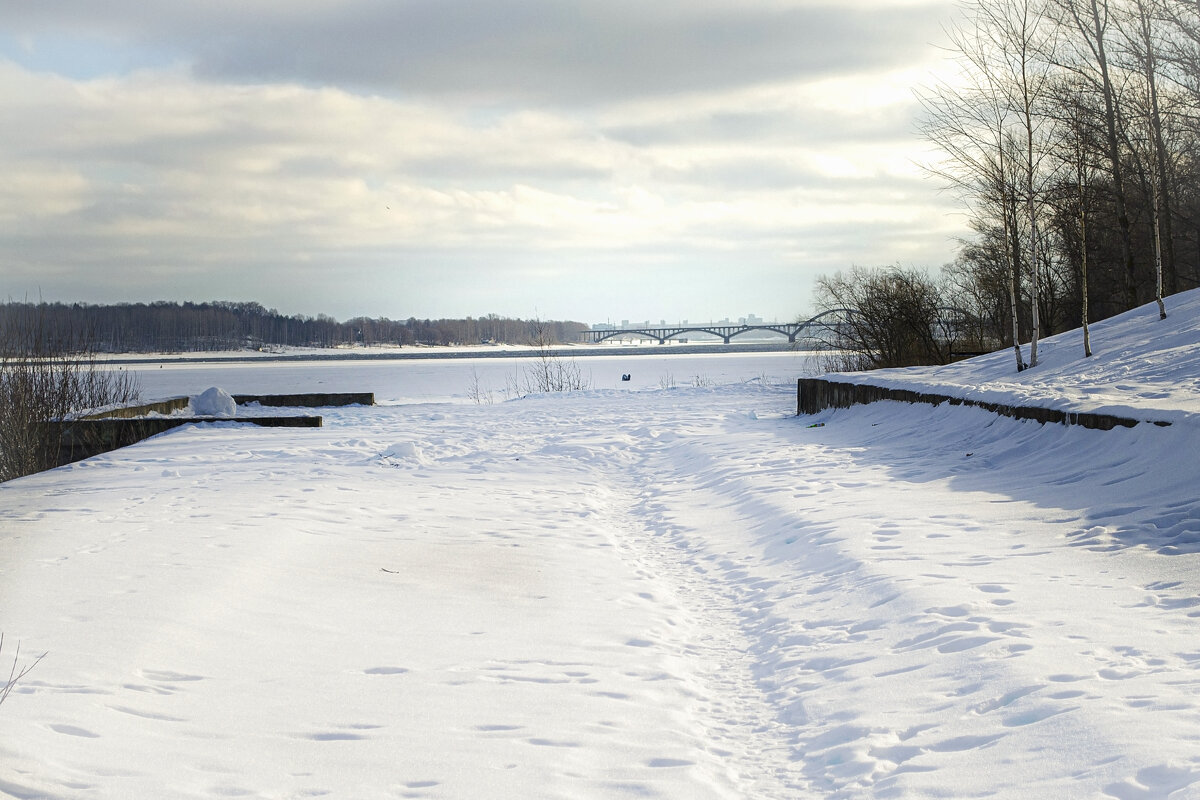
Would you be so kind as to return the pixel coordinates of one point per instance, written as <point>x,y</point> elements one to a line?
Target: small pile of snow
<point>214,402</point>
<point>404,453</point>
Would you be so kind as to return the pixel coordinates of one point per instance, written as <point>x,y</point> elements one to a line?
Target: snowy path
<point>680,594</point>
<point>923,631</point>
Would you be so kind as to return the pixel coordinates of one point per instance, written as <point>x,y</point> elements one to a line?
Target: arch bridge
<point>821,323</point>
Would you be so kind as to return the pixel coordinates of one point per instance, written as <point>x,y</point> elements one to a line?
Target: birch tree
<point>989,125</point>
<point>1142,48</point>
<point>1019,32</point>
<point>1076,152</point>
<point>1086,54</point>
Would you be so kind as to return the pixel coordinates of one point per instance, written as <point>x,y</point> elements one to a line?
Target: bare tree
<point>551,372</point>
<point>1072,133</point>
<point>1025,39</point>
<point>979,281</point>
<point>988,124</point>
<point>1089,22</point>
<point>894,320</point>
<point>45,377</point>
<point>1142,47</point>
<point>1082,168</point>
<point>1182,17</point>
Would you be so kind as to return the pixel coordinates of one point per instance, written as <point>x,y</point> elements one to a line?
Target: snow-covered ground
<point>1141,367</point>
<point>681,592</point>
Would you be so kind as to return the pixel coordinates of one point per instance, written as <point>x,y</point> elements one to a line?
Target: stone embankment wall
<point>307,399</point>
<point>84,438</point>
<point>114,428</point>
<point>817,394</point>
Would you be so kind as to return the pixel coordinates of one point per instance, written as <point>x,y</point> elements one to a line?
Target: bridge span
<point>815,327</point>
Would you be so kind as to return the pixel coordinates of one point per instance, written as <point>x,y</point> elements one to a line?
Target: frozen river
<point>451,380</point>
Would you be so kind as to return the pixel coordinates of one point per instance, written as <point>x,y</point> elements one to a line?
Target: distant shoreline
<point>409,353</point>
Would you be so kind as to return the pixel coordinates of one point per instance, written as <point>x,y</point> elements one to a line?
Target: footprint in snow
<point>166,676</point>
<point>1035,715</point>
<point>133,712</point>
<point>331,736</point>
<point>1158,781</point>
<point>71,730</point>
<point>961,744</point>
<point>385,671</point>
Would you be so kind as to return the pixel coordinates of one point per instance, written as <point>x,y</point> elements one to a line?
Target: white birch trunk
<point>1012,282</point>
<point>1083,263</point>
<point>1158,266</point>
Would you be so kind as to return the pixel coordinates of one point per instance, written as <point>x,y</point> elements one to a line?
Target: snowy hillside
<point>1140,364</point>
<point>675,593</point>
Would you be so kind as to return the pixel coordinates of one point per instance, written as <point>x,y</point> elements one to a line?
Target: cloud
<point>448,153</point>
<point>548,52</point>
<point>503,51</point>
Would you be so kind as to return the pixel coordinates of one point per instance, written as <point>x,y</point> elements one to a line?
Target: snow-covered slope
<point>1139,364</point>
<point>685,593</point>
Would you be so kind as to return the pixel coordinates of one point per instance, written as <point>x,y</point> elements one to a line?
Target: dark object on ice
<point>626,377</point>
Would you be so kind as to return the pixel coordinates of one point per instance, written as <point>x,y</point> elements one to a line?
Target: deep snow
<point>684,592</point>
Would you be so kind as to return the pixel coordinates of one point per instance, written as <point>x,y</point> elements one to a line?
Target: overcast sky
<point>595,160</point>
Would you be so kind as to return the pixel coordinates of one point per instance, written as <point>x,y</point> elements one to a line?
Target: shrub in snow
<point>47,375</point>
<point>214,402</point>
<point>17,672</point>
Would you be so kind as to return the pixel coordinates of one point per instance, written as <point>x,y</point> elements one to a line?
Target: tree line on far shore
<point>171,327</point>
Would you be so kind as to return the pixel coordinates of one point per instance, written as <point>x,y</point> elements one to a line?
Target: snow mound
<point>404,453</point>
<point>214,402</point>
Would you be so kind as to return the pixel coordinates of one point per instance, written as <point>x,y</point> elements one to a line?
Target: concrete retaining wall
<point>100,432</point>
<point>65,442</point>
<point>817,394</point>
<point>307,400</point>
<point>146,409</point>
<point>84,438</point>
